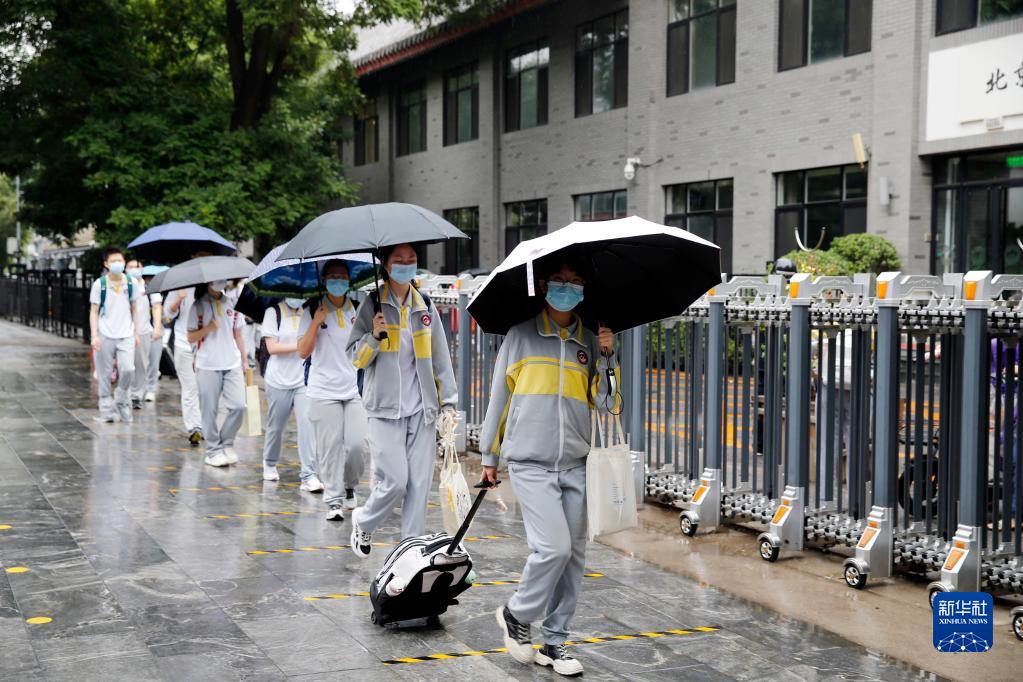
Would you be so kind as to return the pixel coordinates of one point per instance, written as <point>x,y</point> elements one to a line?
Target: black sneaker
<point>516,636</point>
<point>351,501</point>
<point>556,656</point>
<point>136,403</point>
<point>195,437</point>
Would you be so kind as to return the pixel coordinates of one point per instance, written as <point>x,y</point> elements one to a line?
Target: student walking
<point>408,381</point>
<point>284,380</point>
<point>335,406</point>
<point>114,336</point>
<point>179,305</point>
<point>149,323</point>
<point>548,372</point>
<point>215,328</point>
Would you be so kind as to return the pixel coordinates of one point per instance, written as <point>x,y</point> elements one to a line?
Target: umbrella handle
<point>376,294</point>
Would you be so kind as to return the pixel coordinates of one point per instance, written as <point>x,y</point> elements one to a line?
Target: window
<point>830,199</point>
<point>412,120</point>
<point>463,254</point>
<point>602,64</point>
<point>957,15</point>
<point>701,44</point>
<point>524,220</point>
<point>601,206</point>
<point>705,209</point>
<point>525,86</point>
<point>461,105</point>
<point>816,30</point>
<point>366,135</point>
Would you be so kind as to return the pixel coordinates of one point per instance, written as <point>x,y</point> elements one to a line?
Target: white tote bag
<point>455,498</point>
<point>610,489</point>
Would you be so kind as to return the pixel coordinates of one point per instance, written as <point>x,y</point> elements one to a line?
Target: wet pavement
<point>126,558</point>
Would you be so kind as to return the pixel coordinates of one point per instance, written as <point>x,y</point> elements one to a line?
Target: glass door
<point>1012,229</point>
<point>977,230</point>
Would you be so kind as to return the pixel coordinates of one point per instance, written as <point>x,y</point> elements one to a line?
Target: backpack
<point>263,353</point>
<point>103,292</point>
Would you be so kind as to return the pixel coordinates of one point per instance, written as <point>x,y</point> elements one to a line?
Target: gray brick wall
<point>765,123</point>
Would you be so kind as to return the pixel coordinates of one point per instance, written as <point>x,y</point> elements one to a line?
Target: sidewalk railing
<point>56,301</point>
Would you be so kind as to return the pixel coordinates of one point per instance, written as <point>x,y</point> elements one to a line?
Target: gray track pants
<point>184,365</point>
<point>403,460</point>
<point>147,366</point>
<point>339,427</point>
<point>216,386</point>
<point>280,402</point>
<point>123,350</point>
<point>553,507</point>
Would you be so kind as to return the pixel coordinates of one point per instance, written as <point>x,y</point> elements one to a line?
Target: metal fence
<point>56,301</point>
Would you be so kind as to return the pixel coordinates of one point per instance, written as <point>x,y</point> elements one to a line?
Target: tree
<point>127,113</point>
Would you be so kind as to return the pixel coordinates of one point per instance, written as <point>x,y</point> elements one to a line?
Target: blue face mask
<point>337,287</point>
<point>116,268</point>
<point>403,273</point>
<point>564,296</point>
<point>294,303</point>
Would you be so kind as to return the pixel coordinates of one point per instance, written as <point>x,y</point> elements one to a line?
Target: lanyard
<point>294,318</point>
<point>340,318</point>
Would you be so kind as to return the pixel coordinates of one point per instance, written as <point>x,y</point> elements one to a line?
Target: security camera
<point>630,167</point>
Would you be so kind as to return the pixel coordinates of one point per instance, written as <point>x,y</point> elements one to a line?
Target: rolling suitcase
<point>423,575</point>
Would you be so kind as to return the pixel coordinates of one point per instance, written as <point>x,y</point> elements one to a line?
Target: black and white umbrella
<point>638,272</point>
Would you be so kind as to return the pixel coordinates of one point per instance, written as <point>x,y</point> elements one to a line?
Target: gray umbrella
<point>200,271</point>
<point>368,228</point>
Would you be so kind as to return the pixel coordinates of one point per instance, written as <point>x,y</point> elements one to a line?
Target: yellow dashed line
<point>38,620</point>
<point>4,526</point>
<point>591,640</point>
<point>262,552</point>
<point>17,569</point>
<point>493,583</point>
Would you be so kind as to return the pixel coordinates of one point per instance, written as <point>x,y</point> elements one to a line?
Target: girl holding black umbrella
<point>549,372</point>
<point>408,380</point>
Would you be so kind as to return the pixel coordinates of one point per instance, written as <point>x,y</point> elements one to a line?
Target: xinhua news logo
<point>963,622</point>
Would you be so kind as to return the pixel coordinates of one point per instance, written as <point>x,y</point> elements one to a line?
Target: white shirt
<point>181,322</point>
<point>144,308</point>
<point>331,374</point>
<point>411,393</point>
<point>115,319</point>
<point>218,351</point>
<point>285,372</point>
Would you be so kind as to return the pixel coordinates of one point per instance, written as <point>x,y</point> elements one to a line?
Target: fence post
<point>634,364</point>
<point>961,571</point>
<point>464,354</point>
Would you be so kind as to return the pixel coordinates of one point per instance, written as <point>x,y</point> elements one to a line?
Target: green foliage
<point>849,255</point>
<point>7,215</point>
<point>124,114</point>
<point>867,252</point>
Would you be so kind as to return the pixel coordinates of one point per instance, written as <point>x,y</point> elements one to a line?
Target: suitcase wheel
<point>373,617</point>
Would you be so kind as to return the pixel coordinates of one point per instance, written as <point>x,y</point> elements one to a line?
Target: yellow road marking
<point>17,569</point>
<point>38,620</point>
<point>591,640</point>
<point>262,552</point>
<point>493,583</point>
<point>4,526</point>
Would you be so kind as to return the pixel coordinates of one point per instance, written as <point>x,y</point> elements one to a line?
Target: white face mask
<point>219,285</point>
<point>293,303</point>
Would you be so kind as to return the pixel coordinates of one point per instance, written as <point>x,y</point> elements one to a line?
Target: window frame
<point>517,229</point>
<point>451,246</point>
<point>686,23</point>
<point>717,213</point>
<point>359,133</point>
<point>542,87</point>
<point>807,56</point>
<point>843,203</point>
<point>451,99</point>
<point>615,193</point>
<point>619,62</point>
<point>401,112</point>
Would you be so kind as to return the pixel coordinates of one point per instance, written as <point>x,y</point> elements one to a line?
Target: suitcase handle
<point>483,487</point>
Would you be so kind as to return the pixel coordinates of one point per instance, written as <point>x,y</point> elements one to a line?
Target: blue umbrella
<point>302,278</point>
<point>151,270</point>
<point>177,242</point>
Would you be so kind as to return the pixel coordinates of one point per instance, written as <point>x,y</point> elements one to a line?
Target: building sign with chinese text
<point>974,89</point>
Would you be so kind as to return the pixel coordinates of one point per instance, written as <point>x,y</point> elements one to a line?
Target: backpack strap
<point>280,317</point>
<point>102,294</point>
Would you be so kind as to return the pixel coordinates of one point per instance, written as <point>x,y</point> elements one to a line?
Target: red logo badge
<point>425,319</point>
<point>583,357</point>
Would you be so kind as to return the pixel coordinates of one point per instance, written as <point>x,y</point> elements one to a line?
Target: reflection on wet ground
<point>126,558</point>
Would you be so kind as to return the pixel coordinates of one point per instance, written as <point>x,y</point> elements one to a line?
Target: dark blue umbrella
<point>177,242</point>
<point>302,278</point>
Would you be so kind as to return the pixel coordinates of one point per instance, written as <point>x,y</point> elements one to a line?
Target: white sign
<point>974,89</point>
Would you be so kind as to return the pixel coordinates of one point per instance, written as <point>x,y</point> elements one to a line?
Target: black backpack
<point>263,353</point>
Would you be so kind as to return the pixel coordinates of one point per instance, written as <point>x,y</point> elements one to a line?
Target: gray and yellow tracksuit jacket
<point>546,383</point>
<point>379,358</point>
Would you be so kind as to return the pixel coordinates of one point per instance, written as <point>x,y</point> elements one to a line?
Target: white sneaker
<point>360,541</point>
<point>150,397</point>
<point>312,485</point>
<point>232,456</point>
<point>109,419</point>
<point>351,500</point>
<point>270,473</point>
<point>217,460</point>
<point>556,656</point>
<point>336,513</point>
